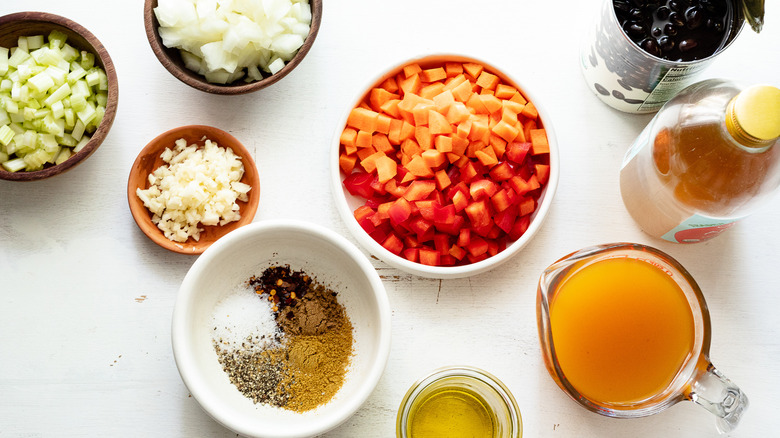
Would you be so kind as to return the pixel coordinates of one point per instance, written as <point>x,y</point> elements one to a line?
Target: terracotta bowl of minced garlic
<point>281,329</point>
<point>190,186</point>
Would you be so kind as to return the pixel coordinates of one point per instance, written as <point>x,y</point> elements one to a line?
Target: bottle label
<point>697,228</point>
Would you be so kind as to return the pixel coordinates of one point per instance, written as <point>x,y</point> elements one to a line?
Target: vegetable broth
<point>622,329</point>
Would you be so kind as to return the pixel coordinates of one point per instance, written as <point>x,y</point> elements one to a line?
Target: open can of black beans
<point>643,52</point>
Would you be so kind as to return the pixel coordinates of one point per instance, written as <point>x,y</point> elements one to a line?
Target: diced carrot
<point>364,105</point>
<point>442,179</point>
<point>347,162</point>
<point>350,150</point>
<point>458,113</point>
<point>431,90</point>
<point>459,144</point>
<point>475,102</point>
<point>464,128</point>
<point>515,107</point>
<point>348,136</point>
<point>394,134</point>
<point>539,144</point>
<point>433,74</point>
<point>438,124</point>
<point>420,113</point>
<point>492,103</point>
<point>378,96</point>
<point>453,68</point>
<point>478,130</point>
<point>362,119</point>
<point>418,167</point>
<point>504,91</point>
<point>380,142</point>
<point>443,143</point>
<point>461,162</point>
<point>463,91</point>
<point>443,101</point>
<point>386,168</point>
<point>434,158</point>
<point>530,111</point>
<point>383,123</point>
<point>424,137</point>
<point>473,69</point>
<point>528,125</point>
<point>517,97</point>
<point>407,104</point>
<point>411,84</point>
<point>487,91</point>
<point>365,152</point>
<point>505,130</point>
<point>509,116</point>
<point>363,139</point>
<point>542,172</point>
<point>410,148</point>
<point>409,176</point>
<point>486,157</point>
<point>407,131</point>
<point>411,69</point>
<point>487,80</point>
<point>391,108</point>
<point>499,145</point>
<point>369,163</point>
<point>390,85</point>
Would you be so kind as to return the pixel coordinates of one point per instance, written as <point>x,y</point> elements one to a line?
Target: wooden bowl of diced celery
<point>58,95</point>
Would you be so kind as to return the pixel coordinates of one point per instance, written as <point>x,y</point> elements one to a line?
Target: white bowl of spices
<point>281,329</point>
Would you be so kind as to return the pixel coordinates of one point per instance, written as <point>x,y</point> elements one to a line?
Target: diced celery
<point>99,113</point>
<point>69,53</point>
<point>57,39</point>
<point>83,142</point>
<point>16,117</point>
<point>78,130</point>
<point>58,75</point>
<point>47,142</point>
<point>53,154</point>
<point>70,117</point>
<point>81,88</point>
<point>102,98</point>
<point>6,135</point>
<point>6,85</point>
<point>3,61</point>
<point>78,102</point>
<point>41,82</point>
<point>87,114</point>
<point>33,103</point>
<point>87,60</point>
<point>54,126</point>
<point>34,42</point>
<point>103,84</point>
<point>58,95</point>
<point>76,72</point>
<point>64,154</point>
<point>23,72</point>
<point>16,91</point>
<point>35,160</point>
<point>18,57</point>
<point>58,110</point>
<point>21,43</point>
<point>14,165</point>
<point>43,112</point>
<point>4,119</point>
<point>67,140</point>
<point>3,156</point>
<point>93,78</point>
<point>16,128</point>
<point>10,106</point>
<point>29,113</point>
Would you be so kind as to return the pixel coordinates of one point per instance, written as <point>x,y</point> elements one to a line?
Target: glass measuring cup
<point>694,379</point>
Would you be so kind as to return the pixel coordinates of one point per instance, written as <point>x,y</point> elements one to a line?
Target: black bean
<point>694,17</point>
<point>637,14</point>
<point>670,29</point>
<point>650,46</point>
<point>662,13</point>
<point>634,30</point>
<point>657,32</point>
<point>686,45</point>
<point>675,6</point>
<point>622,6</point>
<point>676,19</point>
<point>665,43</point>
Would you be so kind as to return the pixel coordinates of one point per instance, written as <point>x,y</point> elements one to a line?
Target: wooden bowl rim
<point>111,105</point>
<point>167,56</point>
<point>141,214</point>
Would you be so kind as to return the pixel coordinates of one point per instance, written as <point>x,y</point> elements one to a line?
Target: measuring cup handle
<point>719,395</point>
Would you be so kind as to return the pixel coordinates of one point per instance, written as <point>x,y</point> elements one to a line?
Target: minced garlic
<point>196,186</point>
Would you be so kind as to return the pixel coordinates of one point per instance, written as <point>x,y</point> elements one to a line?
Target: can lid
<point>755,114</point>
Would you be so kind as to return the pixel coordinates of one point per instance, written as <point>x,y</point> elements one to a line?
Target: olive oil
<point>452,412</point>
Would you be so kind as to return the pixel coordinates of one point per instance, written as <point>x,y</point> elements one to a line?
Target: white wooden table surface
<point>86,299</point>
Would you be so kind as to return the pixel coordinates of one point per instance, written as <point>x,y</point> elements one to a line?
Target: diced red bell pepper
<point>478,214</point>
<point>477,246</point>
<point>359,184</point>
<point>482,188</point>
<point>393,244</point>
<point>516,151</point>
<point>500,200</point>
<point>429,257</point>
<point>399,211</point>
<point>502,171</point>
<point>464,237</point>
<point>419,190</point>
<point>412,254</point>
<point>443,215</point>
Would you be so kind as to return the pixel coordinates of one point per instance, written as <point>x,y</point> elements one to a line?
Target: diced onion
<point>226,40</point>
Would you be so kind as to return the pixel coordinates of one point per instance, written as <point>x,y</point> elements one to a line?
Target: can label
<point>673,81</point>
<point>697,228</point>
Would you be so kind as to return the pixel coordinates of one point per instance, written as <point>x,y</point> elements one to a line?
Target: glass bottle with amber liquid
<point>707,159</point>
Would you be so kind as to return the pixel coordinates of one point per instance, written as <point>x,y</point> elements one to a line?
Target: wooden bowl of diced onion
<point>211,77</point>
<point>24,26</point>
<point>150,158</point>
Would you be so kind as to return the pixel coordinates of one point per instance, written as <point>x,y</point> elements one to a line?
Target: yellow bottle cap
<point>757,111</point>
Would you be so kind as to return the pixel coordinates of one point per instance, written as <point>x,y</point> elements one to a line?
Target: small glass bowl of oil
<point>457,402</point>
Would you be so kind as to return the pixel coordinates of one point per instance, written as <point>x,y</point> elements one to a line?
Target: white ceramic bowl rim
<point>187,363</point>
<point>399,262</point>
